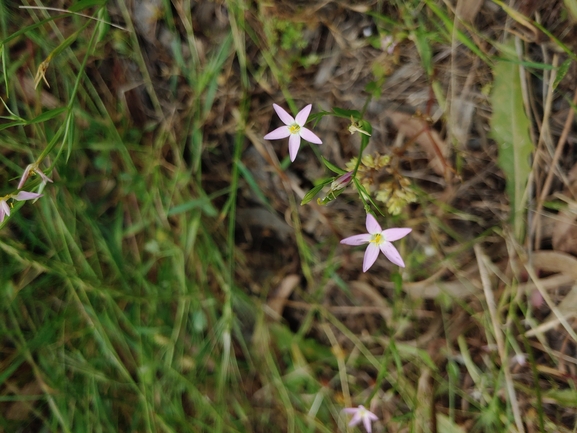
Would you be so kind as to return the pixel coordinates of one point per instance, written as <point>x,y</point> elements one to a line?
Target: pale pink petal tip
<point>371,254</point>
<point>286,118</point>
<point>392,235</point>
<point>392,254</point>
<point>277,134</point>
<point>45,178</point>
<point>303,115</point>
<point>373,227</point>
<point>4,209</point>
<point>25,176</point>
<point>310,136</point>
<point>357,239</point>
<point>294,145</point>
<point>25,195</point>
<point>350,410</point>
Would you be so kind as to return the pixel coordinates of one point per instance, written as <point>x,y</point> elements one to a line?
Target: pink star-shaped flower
<point>294,129</point>
<point>361,414</point>
<point>378,240</point>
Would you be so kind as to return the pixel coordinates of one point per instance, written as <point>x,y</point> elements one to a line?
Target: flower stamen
<point>294,128</point>
<point>377,238</point>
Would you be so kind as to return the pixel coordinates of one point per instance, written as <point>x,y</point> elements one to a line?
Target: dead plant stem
<point>481,260</point>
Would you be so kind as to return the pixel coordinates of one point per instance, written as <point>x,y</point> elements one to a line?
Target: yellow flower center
<point>377,239</point>
<point>294,128</point>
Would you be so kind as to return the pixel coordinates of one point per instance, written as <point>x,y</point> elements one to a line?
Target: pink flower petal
<point>367,423</point>
<point>309,135</point>
<point>361,414</point>
<point>537,299</point>
<point>371,255</point>
<point>25,176</point>
<point>286,118</point>
<point>294,144</point>
<point>392,235</point>
<point>4,209</point>
<point>281,132</point>
<point>45,178</point>
<point>357,239</point>
<point>355,419</point>
<point>392,254</point>
<point>303,115</point>
<point>25,195</point>
<point>350,410</point>
<point>373,227</point>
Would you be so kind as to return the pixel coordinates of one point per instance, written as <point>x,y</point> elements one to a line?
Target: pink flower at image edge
<point>361,414</point>
<point>21,196</point>
<point>294,129</point>
<point>378,240</point>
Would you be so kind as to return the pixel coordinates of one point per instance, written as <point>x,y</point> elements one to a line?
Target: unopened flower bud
<point>341,181</point>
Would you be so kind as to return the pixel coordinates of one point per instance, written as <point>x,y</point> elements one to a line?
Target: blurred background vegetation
<point>169,280</point>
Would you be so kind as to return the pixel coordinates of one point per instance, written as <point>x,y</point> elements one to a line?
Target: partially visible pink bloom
<point>32,168</point>
<point>21,196</point>
<point>294,129</point>
<point>361,414</point>
<point>4,209</point>
<point>378,239</point>
<point>537,300</point>
<point>388,44</point>
<point>520,359</point>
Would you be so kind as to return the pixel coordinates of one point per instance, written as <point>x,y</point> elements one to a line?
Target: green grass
<point>127,302</point>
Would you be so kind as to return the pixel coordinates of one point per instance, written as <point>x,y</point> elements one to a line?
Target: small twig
<point>554,309</point>
<point>491,304</point>
<point>556,157</point>
<point>544,130</point>
<point>340,356</point>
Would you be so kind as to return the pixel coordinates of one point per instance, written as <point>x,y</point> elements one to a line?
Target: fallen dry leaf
<point>429,139</point>
<point>20,410</point>
<point>467,9</point>
<point>564,236</point>
<point>280,295</point>
<point>565,230</point>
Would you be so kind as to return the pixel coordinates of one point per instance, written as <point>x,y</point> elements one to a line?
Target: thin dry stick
<point>340,355</point>
<point>481,260</point>
<point>558,314</point>
<point>544,129</point>
<point>556,157</point>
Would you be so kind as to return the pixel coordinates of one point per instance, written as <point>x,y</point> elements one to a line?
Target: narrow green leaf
<point>30,27</point>
<point>332,167</point>
<point>462,37</point>
<point>571,6</point>
<point>564,397</point>
<point>341,112</point>
<point>245,172</point>
<point>47,115</point>
<point>561,72</point>
<point>314,191</point>
<point>11,124</point>
<point>202,203</point>
<point>446,425</point>
<point>510,129</point>
<point>85,4</point>
<point>422,43</point>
